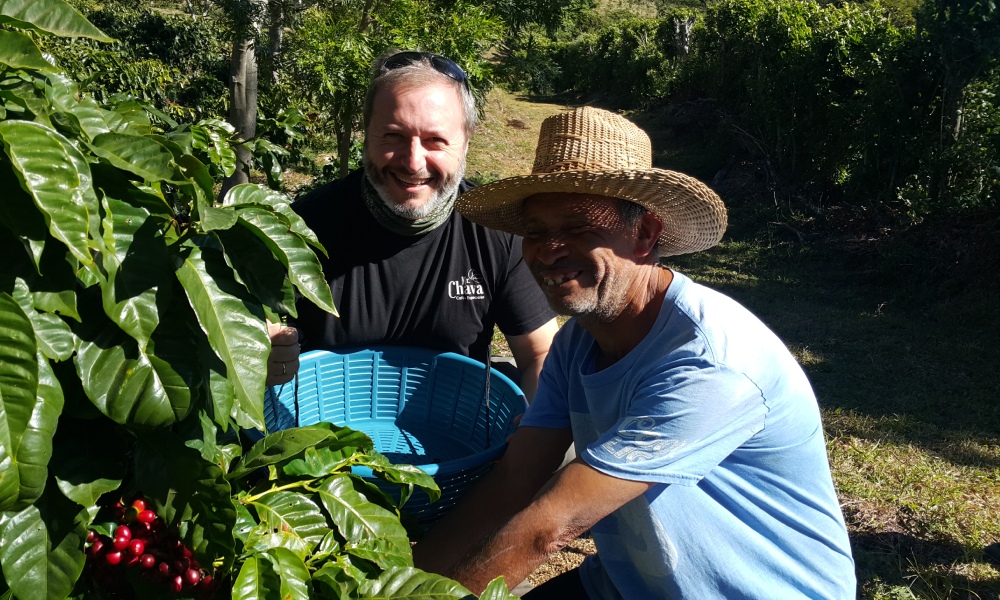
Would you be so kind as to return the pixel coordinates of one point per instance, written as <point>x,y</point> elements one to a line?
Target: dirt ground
<point>566,559</point>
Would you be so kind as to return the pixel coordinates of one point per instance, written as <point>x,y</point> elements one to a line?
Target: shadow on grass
<point>872,349</point>
<point>884,557</point>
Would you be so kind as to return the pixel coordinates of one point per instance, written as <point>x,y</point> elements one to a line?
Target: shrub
<point>174,63</point>
<point>133,308</point>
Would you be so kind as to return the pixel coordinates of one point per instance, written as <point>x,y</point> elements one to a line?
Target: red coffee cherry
<point>177,584</point>
<point>181,565</point>
<point>139,504</point>
<point>123,531</point>
<point>114,557</point>
<point>192,577</point>
<point>136,547</point>
<point>96,548</point>
<point>148,561</point>
<point>146,516</point>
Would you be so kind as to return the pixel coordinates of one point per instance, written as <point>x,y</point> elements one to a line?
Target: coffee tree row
<point>133,311</point>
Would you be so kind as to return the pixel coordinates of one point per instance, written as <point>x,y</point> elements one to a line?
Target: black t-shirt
<point>444,289</point>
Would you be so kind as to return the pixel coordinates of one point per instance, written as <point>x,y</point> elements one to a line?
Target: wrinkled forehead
<point>422,99</point>
<point>562,205</point>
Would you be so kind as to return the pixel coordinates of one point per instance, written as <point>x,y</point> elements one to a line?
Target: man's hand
<point>283,362</point>
<point>525,508</point>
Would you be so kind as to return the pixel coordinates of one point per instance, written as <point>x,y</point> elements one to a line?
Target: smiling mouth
<point>411,181</point>
<point>552,280</point>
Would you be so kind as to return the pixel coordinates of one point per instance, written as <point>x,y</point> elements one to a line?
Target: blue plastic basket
<point>419,406</point>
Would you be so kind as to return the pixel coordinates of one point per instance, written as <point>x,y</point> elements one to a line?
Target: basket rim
<point>449,467</point>
<point>422,354</point>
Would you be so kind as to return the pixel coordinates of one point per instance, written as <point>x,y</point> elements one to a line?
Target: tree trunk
<point>344,146</point>
<point>366,16</point>
<point>242,106</point>
<point>952,107</point>
<point>206,4</point>
<point>345,122</point>
<point>275,35</point>
<point>682,36</point>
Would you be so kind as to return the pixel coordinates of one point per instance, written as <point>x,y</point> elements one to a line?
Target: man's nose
<point>547,249</point>
<point>415,156</point>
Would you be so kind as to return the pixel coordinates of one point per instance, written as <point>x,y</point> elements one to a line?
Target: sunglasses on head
<point>441,64</point>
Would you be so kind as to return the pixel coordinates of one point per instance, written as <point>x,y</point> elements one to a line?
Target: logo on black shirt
<point>466,288</point>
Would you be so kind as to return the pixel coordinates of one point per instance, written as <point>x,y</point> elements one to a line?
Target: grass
<point>504,143</point>
<point>908,381</point>
<point>907,375</point>
<point>908,390</point>
<point>504,146</point>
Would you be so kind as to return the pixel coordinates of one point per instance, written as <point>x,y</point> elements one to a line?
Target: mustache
<point>559,265</point>
<point>424,174</point>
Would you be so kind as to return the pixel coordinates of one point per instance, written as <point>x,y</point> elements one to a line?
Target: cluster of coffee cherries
<point>141,543</point>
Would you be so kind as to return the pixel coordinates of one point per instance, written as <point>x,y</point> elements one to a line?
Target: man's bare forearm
<point>482,511</point>
<point>514,551</point>
<point>533,455</point>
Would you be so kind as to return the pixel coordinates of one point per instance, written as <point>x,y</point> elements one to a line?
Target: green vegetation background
<point>855,144</point>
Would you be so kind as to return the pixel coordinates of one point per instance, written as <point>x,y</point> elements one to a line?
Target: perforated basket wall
<point>419,406</point>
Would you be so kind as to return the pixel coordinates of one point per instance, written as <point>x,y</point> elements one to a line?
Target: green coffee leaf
<point>20,52</point>
<point>364,524</point>
<point>41,547</point>
<point>142,156</point>
<point>233,323</point>
<point>292,572</point>
<point>58,179</point>
<point>19,385</point>
<point>50,16</point>
<point>304,269</point>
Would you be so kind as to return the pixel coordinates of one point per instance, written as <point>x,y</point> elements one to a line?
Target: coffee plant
<point>133,311</point>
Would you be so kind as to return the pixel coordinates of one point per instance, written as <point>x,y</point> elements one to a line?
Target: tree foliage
<point>132,308</point>
<point>171,62</point>
<point>328,55</point>
<point>886,109</point>
<point>822,86</point>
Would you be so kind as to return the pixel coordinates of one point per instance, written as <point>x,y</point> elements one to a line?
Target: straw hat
<point>593,151</point>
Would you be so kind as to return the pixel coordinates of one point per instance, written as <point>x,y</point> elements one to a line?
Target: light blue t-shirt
<point>713,409</point>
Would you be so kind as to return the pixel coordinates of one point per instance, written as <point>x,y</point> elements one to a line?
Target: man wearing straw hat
<point>701,467</point>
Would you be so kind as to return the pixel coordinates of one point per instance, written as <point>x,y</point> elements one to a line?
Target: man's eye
<point>579,229</point>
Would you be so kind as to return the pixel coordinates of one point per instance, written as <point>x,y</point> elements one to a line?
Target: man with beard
<point>404,267</point>
<point>701,467</point>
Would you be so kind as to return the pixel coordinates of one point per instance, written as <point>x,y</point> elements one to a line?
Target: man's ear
<point>647,234</point>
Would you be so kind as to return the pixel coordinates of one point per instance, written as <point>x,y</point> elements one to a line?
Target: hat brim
<point>694,217</point>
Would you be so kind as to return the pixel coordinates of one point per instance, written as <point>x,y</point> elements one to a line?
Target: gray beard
<point>440,196</point>
<point>600,306</point>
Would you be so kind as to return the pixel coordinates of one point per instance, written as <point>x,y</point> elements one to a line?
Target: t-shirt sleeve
<point>521,307</point>
<point>680,424</point>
